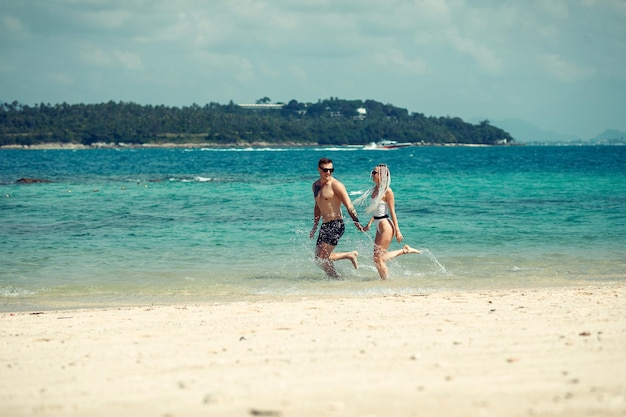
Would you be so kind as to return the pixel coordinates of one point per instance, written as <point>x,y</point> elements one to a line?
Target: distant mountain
<point>610,136</point>
<point>526,132</point>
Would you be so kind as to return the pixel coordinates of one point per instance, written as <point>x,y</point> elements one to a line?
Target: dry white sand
<point>527,352</point>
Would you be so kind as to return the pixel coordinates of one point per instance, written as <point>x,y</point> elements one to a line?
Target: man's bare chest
<point>324,192</point>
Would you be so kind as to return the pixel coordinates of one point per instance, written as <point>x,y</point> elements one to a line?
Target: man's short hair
<point>324,161</point>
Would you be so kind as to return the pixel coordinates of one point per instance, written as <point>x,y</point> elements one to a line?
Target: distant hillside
<point>610,136</point>
<point>328,122</point>
<point>525,132</point>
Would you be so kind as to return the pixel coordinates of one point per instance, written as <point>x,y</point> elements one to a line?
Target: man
<point>329,195</point>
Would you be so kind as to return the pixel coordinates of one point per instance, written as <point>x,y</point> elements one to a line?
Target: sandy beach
<point>524,352</point>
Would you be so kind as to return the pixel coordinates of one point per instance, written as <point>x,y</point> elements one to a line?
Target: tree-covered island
<point>328,122</point>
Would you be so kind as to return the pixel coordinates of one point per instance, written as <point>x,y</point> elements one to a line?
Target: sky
<point>558,64</point>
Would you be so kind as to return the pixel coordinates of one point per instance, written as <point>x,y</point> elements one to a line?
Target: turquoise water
<point>132,226</point>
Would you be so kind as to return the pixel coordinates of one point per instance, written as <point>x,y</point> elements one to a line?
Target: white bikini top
<point>381,210</point>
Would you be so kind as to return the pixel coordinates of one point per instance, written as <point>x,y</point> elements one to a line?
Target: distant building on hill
<point>262,106</point>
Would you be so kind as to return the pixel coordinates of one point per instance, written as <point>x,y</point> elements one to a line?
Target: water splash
<point>434,259</point>
<point>426,252</point>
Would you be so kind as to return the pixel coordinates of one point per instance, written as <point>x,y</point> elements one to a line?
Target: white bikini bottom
<point>377,221</point>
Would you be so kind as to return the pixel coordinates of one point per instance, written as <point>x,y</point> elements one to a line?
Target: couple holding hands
<point>330,194</point>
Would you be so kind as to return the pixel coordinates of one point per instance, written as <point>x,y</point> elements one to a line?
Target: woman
<point>382,208</point>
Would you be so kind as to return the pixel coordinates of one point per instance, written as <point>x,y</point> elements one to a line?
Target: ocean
<point>118,227</point>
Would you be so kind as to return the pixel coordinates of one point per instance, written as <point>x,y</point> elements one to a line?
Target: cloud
<point>434,9</point>
<point>484,57</point>
<point>12,24</point>
<point>110,58</point>
<point>105,19</point>
<point>557,9</point>
<point>563,69</point>
<point>396,61</point>
<point>297,72</point>
<point>128,60</point>
<point>60,78</point>
<point>212,64</point>
<point>616,6</point>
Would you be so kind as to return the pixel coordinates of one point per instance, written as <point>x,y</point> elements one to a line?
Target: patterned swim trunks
<point>331,232</point>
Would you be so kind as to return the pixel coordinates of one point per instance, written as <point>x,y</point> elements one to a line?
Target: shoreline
<point>191,145</point>
<point>79,146</point>
<point>530,351</point>
<point>70,303</point>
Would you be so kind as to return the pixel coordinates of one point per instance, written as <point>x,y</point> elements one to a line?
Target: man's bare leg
<point>323,255</point>
<point>326,258</point>
<point>352,256</point>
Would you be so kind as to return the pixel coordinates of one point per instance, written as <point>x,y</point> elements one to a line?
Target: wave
<point>288,149</point>
<point>248,149</point>
<point>13,292</point>
<point>193,179</point>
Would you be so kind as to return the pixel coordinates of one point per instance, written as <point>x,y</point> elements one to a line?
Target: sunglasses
<point>328,169</point>
<point>374,172</point>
